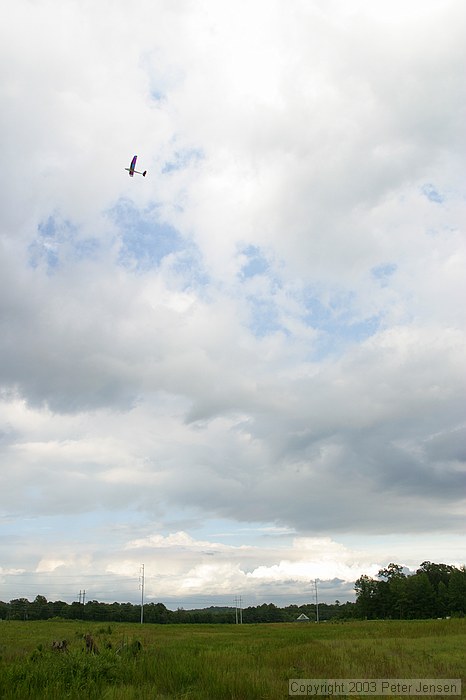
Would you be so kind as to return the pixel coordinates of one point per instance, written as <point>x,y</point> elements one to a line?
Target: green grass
<point>219,662</point>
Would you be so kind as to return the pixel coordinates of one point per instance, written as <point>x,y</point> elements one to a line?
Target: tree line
<point>42,609</point>
<point>434,590</point>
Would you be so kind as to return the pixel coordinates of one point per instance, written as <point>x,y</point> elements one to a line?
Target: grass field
<point>219,662</point>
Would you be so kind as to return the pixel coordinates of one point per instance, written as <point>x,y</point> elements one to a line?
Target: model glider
<point>132,170</point>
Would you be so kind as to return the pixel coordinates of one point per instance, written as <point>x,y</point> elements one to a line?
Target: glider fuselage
<point>132,170</point>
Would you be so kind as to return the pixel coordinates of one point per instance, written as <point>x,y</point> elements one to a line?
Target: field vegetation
<point>238,662</point>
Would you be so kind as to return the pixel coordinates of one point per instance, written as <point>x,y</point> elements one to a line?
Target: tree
<point>436,573</point>
<point>19,609</point>
<point>366,593</point>
<point>391,572</point>
<point>457,591</point>
<point>39,608</point>
<point>156,612</point>
<point>4,610</point>
<point>59,609</point>
<point>398,595</point>
<point>420,596</point>
<point>442,600</point>
<point>393,591</point>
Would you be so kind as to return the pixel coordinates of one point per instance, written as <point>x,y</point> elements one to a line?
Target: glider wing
<point>132,166</point>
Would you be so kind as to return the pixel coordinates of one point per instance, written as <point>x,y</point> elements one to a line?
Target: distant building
<point>302,618</point>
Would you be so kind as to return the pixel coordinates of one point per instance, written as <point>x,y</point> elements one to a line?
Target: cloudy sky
<point>245,371</point>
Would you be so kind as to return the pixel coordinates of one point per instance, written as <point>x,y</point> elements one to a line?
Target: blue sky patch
<point>337,335</point>
<point>264,317</point>
<point>144,240</point>
<point>189,265</point>
<point>256,264</point>
<point>432,194</point>
<point>182,159</point>
<point>157,95</point>
<point>337,325</point>
<point>58,240</point>
<point>383,272</point>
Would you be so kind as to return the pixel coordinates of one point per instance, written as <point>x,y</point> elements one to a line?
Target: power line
<point>239,610</point>
<point>317,601</point>
<point>142,592</point>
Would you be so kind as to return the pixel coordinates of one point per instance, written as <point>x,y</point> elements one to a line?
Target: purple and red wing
<point>133,163</point>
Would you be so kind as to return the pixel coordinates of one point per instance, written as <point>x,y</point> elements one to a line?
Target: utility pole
<point>238,608</point>
<point>141,579</point>
<point>317,601</point>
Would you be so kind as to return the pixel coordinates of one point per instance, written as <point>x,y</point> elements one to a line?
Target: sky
<point>245,371</point>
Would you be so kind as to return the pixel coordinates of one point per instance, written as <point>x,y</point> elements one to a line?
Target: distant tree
<point>399,596</point>
<point>156,612</point>
<point>391,598</point>
<point>420,598</point>
<point>181,616</point>
<point>19,609</point>
<point>436,573</point>
<point>442,607</point>
<point>130,613</point>
<point>366,596</point>
<point>39,610</point>
<point>347,611</point>
<point>391,572</point>
<point>76,611</point>
<point>4,610</point>
<point>457,591</point>
<point>59,609</point>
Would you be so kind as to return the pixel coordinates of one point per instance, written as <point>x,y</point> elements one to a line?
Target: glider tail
<point>144,173</point>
